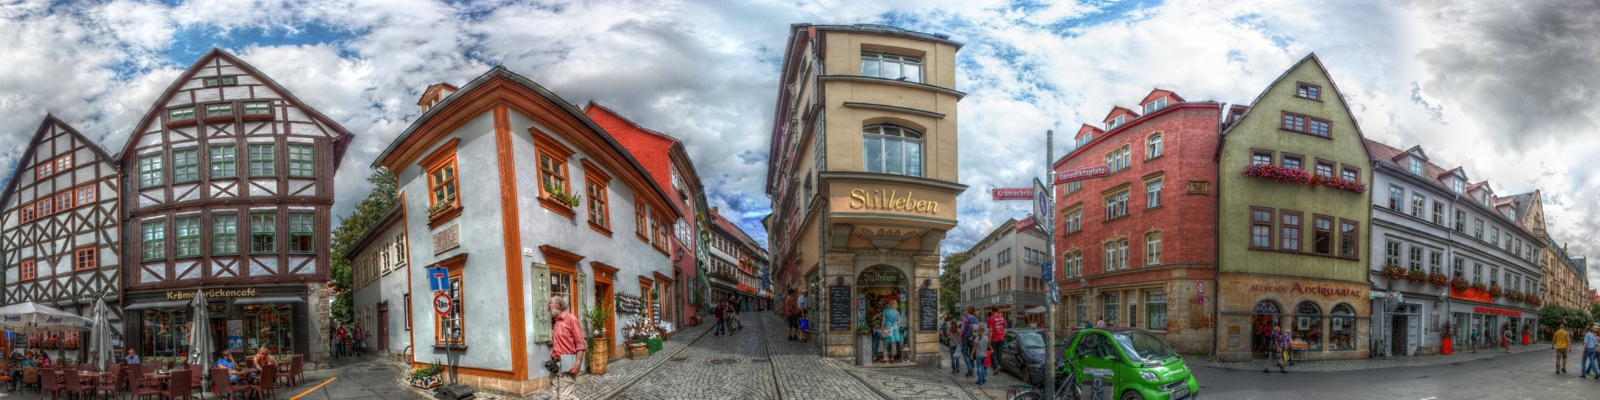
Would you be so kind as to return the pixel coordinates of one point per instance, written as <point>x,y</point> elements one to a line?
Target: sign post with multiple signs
<point>1043,197</point>
<point>439,281</point>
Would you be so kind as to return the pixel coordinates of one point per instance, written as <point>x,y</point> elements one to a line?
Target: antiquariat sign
<point>1296,287</point>
<point>890,200</point>
<point>214,293</point>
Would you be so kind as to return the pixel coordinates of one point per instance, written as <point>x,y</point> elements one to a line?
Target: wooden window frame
<point>1157,141</point>
<point>1333,168</point>
<point>1354,172</point>
<point>1308,91</point>
<point>178,174</point>
<point>218,161</point>
<point>44,170</point>
<point>273,232</point>
<point>232,112</point>
<point>271,161</point>
<point>85,195</point>
<point>220,80</point>
<point>1257,152</point>
<point>156,164</point>
<point>440,158</point>
<point>63,163</point>
<point>1284,228</point>
<point>1304,123</point>
<point>64,201</point>
<point>193,118</point>
<point>641,219</point>
<point>146,244</point>
<point>245,114</point>
<point>545,145</point>
<point>1397,198</point>
<point>1299,160</point>
<point>308,165</point>
<point>230,235</point>
<point>46,207</point>
<point>1152,259</point>
<point>85,259</point>
<point>178,237</point>
<point>310,233</point>
<point>455,266</point>
<point>1270,224</point>
<point>28,214</point>
<point>1333,238</point>
<point>27,270</point>
<point>596,187</point>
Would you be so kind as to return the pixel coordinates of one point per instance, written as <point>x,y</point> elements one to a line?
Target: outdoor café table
<point>244,374</point>
<point>90,376</point>
<point>163,378</point>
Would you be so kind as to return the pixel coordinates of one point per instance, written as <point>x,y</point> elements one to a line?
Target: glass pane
<point>913,73</point>
<point>892,158</point>
<point>874,156</point>
<point>891,70</point>
<point>869,67</point>
<point>913,159</point>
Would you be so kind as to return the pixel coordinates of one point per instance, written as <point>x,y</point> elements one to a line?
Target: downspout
<point>1450,250</point>
<point>1216,243</point>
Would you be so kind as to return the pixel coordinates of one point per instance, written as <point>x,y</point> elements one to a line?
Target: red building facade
<point>1137,237</point>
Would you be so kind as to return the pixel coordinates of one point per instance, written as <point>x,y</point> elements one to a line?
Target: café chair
<point>297,369</point>
<point>182,385</point>
<point>72,383</point>
<point>195,373</point>
<point>30,378</point>
<point>225,388</point>
<point>268,381</point>
<point>49,382</point>
<point>108,382</point>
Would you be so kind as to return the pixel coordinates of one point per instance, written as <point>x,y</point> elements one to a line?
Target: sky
<point>1503,89</point>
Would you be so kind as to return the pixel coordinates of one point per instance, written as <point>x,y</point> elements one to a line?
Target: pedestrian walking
<point>952,334</point>
<point>733,319</point>
<point>720,310</point>
<point>339,334</point>
<point>792,314</point>
<point>969,333</point>
<point>981,352</point>
<point>1560,342</point>
<point>1100,323</point>
<point>1591,355</point>
<point>566,343</point>
<point>800,304</point>
<point>1473,341</point>
<point>891,327</point>
<point>1277,343</point>
<point>360,340</point>
<point>1505,337</point>
<point>997,324</point>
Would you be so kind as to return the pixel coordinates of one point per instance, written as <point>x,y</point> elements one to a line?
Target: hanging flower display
<point>1479,286</point>
<point>1282,174</point>
<point>1513,295</point>
<point>1496,292</point>
<point>1439,279</point>
<point>1394,272</point>
<point>1416,275</point>
<point>1459,284</point>
<point>1339,183</point>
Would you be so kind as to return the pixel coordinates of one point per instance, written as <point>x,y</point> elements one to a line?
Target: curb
<point>1251,366</point>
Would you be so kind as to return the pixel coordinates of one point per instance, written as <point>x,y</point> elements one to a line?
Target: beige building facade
<point>863,179</point>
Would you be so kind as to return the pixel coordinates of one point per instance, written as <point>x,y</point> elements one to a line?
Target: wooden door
<point>383,326</point>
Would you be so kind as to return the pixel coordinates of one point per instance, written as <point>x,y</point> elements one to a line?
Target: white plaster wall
<point>390,287</point>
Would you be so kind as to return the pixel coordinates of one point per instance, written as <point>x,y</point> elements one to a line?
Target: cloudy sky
<point>1504,89</point>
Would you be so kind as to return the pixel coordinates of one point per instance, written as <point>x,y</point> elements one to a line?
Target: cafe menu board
<point>839,308</point>
<point>927,310</point>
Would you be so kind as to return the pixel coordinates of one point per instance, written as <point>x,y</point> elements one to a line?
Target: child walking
<point>980,351</point>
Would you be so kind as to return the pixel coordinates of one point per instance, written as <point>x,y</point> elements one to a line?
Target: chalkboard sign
<point>839,308</point>
<point>928,310</point>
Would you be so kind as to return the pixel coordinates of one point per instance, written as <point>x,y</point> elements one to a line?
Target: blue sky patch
<point>191,42</point>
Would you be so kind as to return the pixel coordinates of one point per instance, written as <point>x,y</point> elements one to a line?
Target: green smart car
<point>1140,365</point>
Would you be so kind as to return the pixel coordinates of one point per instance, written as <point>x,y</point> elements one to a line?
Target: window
<point>1292,162</point>
<point>1477,273</point>
<point>1461,221</point>
<point>598,211</point>
<point>154,244</point>
<point>1435,262</point>
<point>1108,307</point>
<point>188,233</point>
<point>85,195</point>
<point>84,259</point>
<point>258,108</point>
<point>1080,310</point>
<point>1391,253</point>
<point>1294,122</point>
<point>1351,173</point>
<point>1291,231</point>
<point>1494,236</point>
<point>552,173</point>
<point>180,114</point>
<point>224,234</point>
<point>1319,127</point>
<point>1115,122</point>
<point>1306,125</point>
<point>1519,247</point>
<point>64,201</point>
<point>1152,146</point>
<point>1438,213</point>
<point>1260,158</point>
<point>1494,276</point>
<point>1074,263</point>
<point>1456,267</point>
<point>1308,325</point>
<point>1116,206</point>
<point>1416,166</point>
<point>1152,194</point>
<point>893,149</point>
<point>1261,228</point>
<point>223,162</point>
<point>64,163</point>
<point>1322,241</point>
<point>1116,255</point>
<point>261,160</point>
<point>300,233</point>
<point>1308,91</point>
<point>46,169</point>
<point>263,233</point>
<point>185,165</point>
<point>1397,198</point>
<point>27,214</point>
<point>1155,309</point>
<point>300,161</point>
<point>45,208</point>
<point>219,110</point>
<point>28,270</point>
<point>1418,205</point>
<point>641,220</point>
<point>1416,258</point>
<point>1118,159</point>
<point>1004,257</point>
<point>1152,248</point>
<point>1456,185</point>
<point>1508,239</point>
<point>150,171</point>
<point>1477,228</point>
<point>449,329</point>
<point>1074,221</point>
<point>442,182</point>
<point>1155,105</point>
<point>891,66</point>
<point>1325,168</point>
<point>220,81</point>
<point>1347,238</point>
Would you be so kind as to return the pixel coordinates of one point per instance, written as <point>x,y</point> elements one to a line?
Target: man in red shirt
<point>338,341</point>
<point>566,342</point>
<point>997,323</point>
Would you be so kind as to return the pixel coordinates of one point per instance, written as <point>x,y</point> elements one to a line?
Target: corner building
<point>863,177</point>
<point>1292,217</point>
<point>1137,237</point>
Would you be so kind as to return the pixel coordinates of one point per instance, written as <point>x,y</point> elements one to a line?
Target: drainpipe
<point>1450,251</point>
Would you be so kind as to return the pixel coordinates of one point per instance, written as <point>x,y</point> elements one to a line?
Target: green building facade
<point>1293,208</point>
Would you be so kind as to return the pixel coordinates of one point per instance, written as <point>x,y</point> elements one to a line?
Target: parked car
<point>1142,366</point>
<point>1022,354</point>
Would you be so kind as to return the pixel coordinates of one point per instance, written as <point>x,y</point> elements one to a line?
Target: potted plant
<point>599,346</point>
<point>561,196</point>
<point>441,206</point>
<point>1496,292</point>
<point>863,344</point>
<point>426,377</point>
<point>637,348</point>
<point>1446,344</point>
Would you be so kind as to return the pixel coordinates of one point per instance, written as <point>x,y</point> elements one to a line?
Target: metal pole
<point>1050,248</point>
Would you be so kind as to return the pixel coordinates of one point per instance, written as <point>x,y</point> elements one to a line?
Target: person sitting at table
<point>262,359</point>
<point>44,359</point>
<point>132,358</point>
<point>227,362</point>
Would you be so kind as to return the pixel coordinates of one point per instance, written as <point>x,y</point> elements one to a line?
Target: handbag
<point>805,324</point>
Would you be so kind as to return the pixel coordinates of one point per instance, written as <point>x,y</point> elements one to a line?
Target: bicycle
<point>1067,386</point>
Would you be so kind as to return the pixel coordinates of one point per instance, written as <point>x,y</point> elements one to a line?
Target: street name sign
<point>1083,173</point>
<point>1012,193</point>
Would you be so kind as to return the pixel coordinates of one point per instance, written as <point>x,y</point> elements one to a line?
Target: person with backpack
<point>969,330</point>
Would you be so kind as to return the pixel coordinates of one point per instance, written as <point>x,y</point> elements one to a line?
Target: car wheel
<point>1131,395</point>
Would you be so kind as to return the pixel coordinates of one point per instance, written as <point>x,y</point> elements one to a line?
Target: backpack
<point>974,329</point>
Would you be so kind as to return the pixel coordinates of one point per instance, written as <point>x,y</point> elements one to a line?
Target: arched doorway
<point>1265,316</point>
<point>876,287</point>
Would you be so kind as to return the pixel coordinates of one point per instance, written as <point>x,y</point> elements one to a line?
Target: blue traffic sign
<point>1047,272</point>
<point>438,279</point>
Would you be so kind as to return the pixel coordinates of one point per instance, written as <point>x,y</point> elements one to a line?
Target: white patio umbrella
<point>199,341</point>
<point>101,335</point>
<point>30,317</point>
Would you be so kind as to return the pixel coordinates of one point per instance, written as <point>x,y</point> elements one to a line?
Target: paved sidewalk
<point>622,372</point>
<point>1379,363</point>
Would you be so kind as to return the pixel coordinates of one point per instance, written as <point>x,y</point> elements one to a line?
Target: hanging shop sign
<point>211,294</point>
<point>890,200</point>
<point>1083,173</point>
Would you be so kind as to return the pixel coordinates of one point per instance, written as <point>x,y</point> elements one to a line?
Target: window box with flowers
<point>1496,292</point>
<point>1439,280</point>
<point>1416,275</point>
<point>1339,183</point>
<point>1282,174</point>
<point>1459,284</point>
<point>561,198</point>
<point>1479,286</point>
<point>1394,272</point>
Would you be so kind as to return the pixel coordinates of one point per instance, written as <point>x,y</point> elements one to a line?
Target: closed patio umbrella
<point>199,339</point>
<point>100,337</point>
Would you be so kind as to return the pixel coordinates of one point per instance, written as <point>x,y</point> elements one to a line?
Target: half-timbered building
<point>60,226</point>
<point>229,181</point>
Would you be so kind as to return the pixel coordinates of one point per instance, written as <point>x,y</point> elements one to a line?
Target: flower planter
<point>638,351</point>
<point>1446,346</point>
<point>426,382</point>
<point>1524,339</point>
<point>598,355</point>
<point>653,344</point>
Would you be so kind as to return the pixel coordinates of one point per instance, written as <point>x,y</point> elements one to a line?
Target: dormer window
<point>1308,91</point>
<point>1457,185</point>
<point>220,81</point>
<point>1416,166</point>
<point>1155,105</point>
<point>180,114</point>
<point>891,66</point>
<point>1114,123</point>
<point>219,110</point>
<point>1084,140</point>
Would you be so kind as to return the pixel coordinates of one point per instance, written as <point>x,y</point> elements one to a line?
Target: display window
<point>270,326</point>
<point>1307,330</point>
<point>1342,328</point>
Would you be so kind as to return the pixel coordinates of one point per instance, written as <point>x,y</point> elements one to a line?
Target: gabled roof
<point>1114,113</point>
<point>1521,204</point>
<point>1311,58</point>
<point>1087,129</point>
<point>1159,93</point>
<point>33,147</point>
<point>1415,151</point>
<point>728,226</point>
<point>340,144</point>
<point>434,89</point>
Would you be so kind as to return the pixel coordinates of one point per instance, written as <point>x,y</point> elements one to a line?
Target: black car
<point>1025,347</point>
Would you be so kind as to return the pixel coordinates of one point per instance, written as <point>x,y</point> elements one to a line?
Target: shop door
<point>1266,317</point>
<point>383,326</point>
<point>1397,330</point>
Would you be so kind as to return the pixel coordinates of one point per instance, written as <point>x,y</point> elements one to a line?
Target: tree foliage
<point>950,281</point>
<point>1552,316</point>
<point>384,197</point>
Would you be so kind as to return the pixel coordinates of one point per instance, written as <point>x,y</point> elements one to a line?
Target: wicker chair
<point>49,381</point>
<point>267,382</point>
<point>182,385</point>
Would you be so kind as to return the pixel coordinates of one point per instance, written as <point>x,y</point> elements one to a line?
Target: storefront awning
<point>152,305</point>
<point>268,300</point>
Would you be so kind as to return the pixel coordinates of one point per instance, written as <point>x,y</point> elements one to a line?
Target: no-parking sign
<point>441,303</point>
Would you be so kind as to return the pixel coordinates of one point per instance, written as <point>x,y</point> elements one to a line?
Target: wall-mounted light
<point>927,283</point>
<point>838,280</point>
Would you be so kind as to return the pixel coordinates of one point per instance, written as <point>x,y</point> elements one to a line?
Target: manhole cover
<point>677,358</point>
<point>724,361</point>
<point>760,360</point>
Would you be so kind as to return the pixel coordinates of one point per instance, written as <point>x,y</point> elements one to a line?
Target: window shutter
<point>541,303</point>
<point>580,305</point>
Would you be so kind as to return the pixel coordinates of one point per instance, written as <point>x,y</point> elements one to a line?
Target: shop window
<point>1307,327</point>
<point>224,234</point>
<point>187,231</point>
<point>224,162</point>
<point>263,233</point>
<point>166,332</point>
<point>892,149</point>
<point>271,326</point>
<point>85,259</point>
<point>1109,307</point>
<point>1342,328</point>
<point>150,171</point>
<point>1155,309</point>
<point>1080,311</point>
<point>300,233</point>
<point>895,66</point>
<point>300,161</point>
<point>154,243</point>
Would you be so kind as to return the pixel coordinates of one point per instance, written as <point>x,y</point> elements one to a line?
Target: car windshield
<point>1030,339</point>
<point>1142,346</point>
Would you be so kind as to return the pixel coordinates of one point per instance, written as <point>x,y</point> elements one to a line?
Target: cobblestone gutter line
<point>766,341</point>
<point>806,375</point>
<point>642,369</point>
